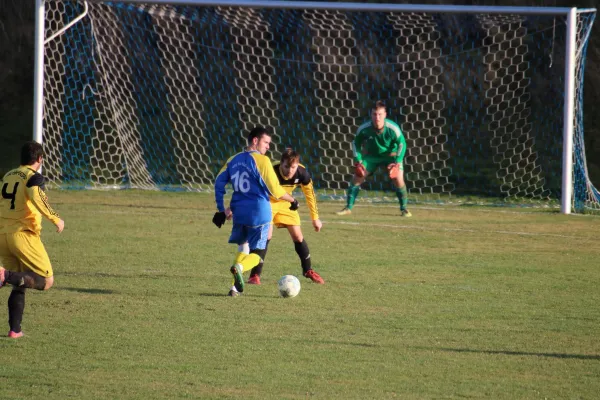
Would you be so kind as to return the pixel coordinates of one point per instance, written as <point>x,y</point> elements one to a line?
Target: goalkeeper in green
<point>378,142</point>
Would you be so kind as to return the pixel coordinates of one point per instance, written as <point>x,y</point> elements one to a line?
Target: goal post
<point>157,94</point>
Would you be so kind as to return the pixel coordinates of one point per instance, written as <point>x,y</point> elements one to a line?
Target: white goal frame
<point>569,73</point>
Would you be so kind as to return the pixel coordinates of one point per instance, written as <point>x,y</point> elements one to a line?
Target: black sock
<point>304,254</point>
<point>262,254</point>
<point>16,306</point>
<point>25,280</point>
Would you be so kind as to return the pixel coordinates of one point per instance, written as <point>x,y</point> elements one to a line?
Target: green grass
<point>456,302</point>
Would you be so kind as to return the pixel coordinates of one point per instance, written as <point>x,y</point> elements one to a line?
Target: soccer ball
<point>289,286</point>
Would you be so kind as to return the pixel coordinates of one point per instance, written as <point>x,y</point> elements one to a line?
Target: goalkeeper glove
<point>359,170</point>
<point>219,219</point>
<point>294,206</point>
<point>393,170</point>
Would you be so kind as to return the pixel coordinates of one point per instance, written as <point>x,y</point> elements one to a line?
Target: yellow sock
<point>249,261</point>
<point>239,257</point>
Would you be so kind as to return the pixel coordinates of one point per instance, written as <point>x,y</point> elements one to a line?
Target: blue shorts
<point>256,236</point>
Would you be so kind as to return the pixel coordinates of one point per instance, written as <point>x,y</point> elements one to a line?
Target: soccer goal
<point>158,94</point>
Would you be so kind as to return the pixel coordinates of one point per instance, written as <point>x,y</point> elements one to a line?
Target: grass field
<point>456,302</point>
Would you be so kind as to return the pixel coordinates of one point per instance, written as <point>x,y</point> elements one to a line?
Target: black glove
<point>219,218</point>
<point>294,206</point>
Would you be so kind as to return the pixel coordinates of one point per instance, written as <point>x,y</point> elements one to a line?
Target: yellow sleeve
<point>38,197</point>
<point>267,173</point>
<point>311,199</point>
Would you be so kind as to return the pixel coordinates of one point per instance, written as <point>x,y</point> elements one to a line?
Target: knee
<point>49,282</point>
<point>358,180</point>
<point>400,181</point>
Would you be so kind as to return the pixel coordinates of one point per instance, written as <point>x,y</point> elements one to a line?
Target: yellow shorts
<point>283,216</point>
<point>24,251</point>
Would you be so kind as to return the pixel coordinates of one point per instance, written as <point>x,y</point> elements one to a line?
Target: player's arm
<point>267,173</point>
<point>401,143</point>
<point>220,183</point>
<point>357,145</point>
<point>306,184</point>
<point>311,200</point>
<point>35,193</point>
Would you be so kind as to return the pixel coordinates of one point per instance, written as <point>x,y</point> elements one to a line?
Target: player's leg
<point>303,252</point>
<point>16,303</point>
<point>16,307</point>
<point>243,251</point>
<point>33,269</point>
<point>27,266</point>
<point>244,248</point>
<point>401,191</point>
<point>354,189</point>
<point>256,237</point>
<point>257,271</point>
<point>238,236</point>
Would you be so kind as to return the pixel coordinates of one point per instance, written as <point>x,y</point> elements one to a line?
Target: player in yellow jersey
<point>24,262</point>
<point>292,174</point>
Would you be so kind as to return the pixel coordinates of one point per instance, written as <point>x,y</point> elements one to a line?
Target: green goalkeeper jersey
<point>387,143</point>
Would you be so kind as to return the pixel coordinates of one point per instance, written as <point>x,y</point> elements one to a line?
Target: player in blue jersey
<point>253,180</point>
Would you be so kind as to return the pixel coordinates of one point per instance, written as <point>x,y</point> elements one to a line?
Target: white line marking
<point>454,229</point>
<point>139,209</point>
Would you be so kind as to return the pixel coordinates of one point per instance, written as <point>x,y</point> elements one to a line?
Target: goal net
<point>159,96</point>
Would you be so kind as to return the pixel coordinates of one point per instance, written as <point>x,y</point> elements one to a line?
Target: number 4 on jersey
<point>10,196</point>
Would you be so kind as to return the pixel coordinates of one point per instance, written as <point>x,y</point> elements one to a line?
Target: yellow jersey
<point>303,179</point>
<point>24,202</point>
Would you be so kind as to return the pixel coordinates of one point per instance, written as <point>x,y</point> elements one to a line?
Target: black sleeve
<point>37,179</point>
<point>303,175</point>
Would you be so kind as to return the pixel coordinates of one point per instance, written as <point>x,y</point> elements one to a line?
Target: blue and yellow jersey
<point>389,142</point>
<point>23,201</point>
<point>253,180</point>
<point>303,179</point>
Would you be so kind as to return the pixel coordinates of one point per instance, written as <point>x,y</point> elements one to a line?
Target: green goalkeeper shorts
<point>372,163</point>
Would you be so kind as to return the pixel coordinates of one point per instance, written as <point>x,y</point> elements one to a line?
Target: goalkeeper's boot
<point>405,213</point>
<point>238,278</point>
<point>15,335</point>
<point>254,280</point>
<point>233,293</point>
<point>345,211</point>
<point>313,276</point>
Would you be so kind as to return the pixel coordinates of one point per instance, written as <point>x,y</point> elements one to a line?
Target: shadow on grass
<point>343,343</point>
<point>158,274</point>
<point>519,353</point>
<point>212,294</point>
<point>86,290</point>
<point>253,295</point>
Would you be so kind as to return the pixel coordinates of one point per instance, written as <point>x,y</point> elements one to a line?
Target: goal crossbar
<point>378,7</point>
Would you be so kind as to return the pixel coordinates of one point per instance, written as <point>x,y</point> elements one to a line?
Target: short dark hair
<point>290,154</point>
<point>31,152</point>
<point>379,104</point>
<point>257,132</point>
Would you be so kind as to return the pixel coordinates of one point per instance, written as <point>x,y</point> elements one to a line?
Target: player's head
<point>289,163</point>
<point>31,152</point>
<point>378,114</point>
<point>259,139</point>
